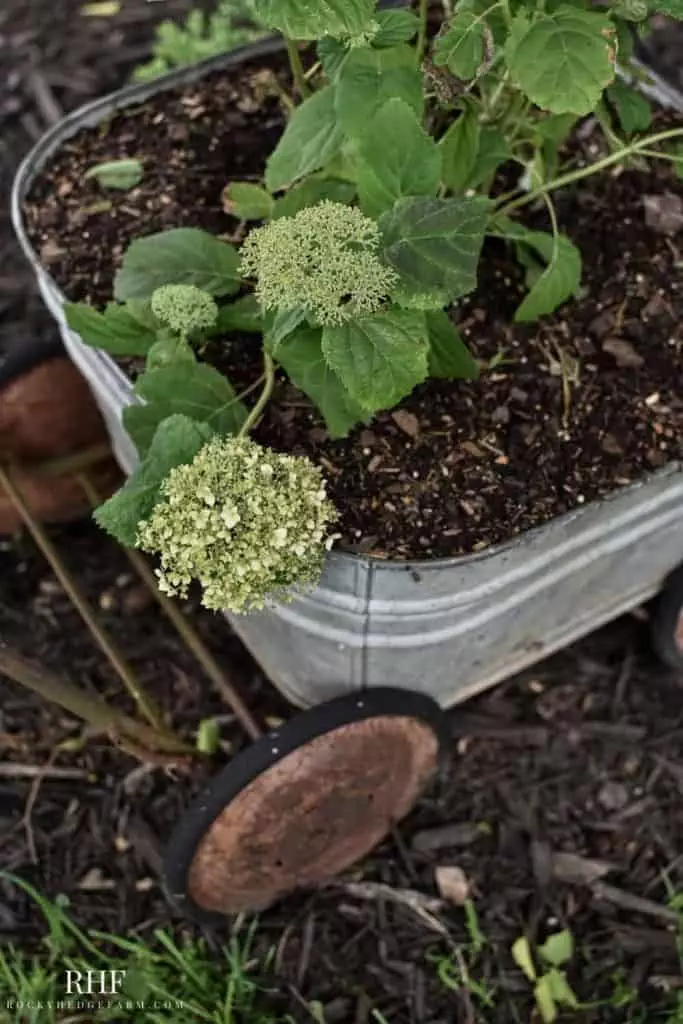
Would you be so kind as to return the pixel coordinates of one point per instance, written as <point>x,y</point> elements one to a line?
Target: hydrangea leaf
<point>313,191</point>
<point>633,110</point>
<point>379,358</point>
<point>673,8</point>
<point>195,390</point>
<point>247,201</point>
<point>311,19</point>
<point>176,441</point>
<point>302,357</point>
<point>178,256</point>
<point>461,47</point>
<point>369,78</point>
<point>563,59</point>
<point>458,148</point>
<point>561,277</point>
<point>117,330</point>
<point>243,314</point>
<point>493,150</point>
<point>449,356</point>
<point>435,243</point>
<point>313,136</point>
<point>395,27</point>
<point>395,158</point>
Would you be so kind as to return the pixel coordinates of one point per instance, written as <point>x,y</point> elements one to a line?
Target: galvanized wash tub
<point>451,627</point>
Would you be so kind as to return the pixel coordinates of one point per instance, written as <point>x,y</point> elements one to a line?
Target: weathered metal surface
<point>449,628</point>
<point>312,814</point>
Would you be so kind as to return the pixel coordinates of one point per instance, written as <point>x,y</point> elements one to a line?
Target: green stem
<point>599,165</point>
<point>268,385</point>
<point>298,73</point>
<point>422,31</point>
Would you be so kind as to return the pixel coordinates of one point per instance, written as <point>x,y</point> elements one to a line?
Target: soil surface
<point>565,412</point>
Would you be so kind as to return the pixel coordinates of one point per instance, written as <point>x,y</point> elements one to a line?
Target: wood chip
<point>407,422</point>
<point>456,834</point>
<point>577,870</point>
<point>625,356</point>
<point>94,881</point>
<point>451,881</point>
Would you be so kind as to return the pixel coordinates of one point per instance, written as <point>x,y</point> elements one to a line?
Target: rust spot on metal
<point>313,813</point>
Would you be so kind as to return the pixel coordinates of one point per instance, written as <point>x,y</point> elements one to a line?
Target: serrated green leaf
<point>313,136</point>
<point>176,442</point>
<point>555,128</point>
<point>558,949</point>
<point>493,150</point>
<point>196,391</point>
<point>301,19</point>
<point>331,54</point>
<point>521,954</point>
<point>169,348</point>
<point>461,47</point>
<point>243,314</point>
<point>395,27</point>
<point>280,325</point>
<point>564,59</point>
<point>369,78</point>
<point>120,174</point>
<point>116,331</point>
<point>178,256</point>
<point>395,158</point>
<point>633,110</point>
<point>449,356</point>
<point>312,191</point>
<point>559,281</point>
<point>459,147</point>
<point>544,1000</point>
<point>435,244</point>
<point>247,201</point>
<point>302,358</point>
<point>379,358</point>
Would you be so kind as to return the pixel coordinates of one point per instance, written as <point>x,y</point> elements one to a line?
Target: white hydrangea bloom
<point>245,521</point>
<point>324,260</point>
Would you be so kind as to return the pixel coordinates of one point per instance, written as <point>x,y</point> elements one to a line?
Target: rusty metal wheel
<point>304,803</point>
<point>666,624</point>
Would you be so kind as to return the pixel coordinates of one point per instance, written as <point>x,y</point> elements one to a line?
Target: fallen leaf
<point>452,884</point>
<point>407,422</point>
<point>664,212</point>
<point>625,356</point>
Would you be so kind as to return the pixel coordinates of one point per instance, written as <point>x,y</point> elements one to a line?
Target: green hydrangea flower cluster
<point>324,260</point>
<point>245,521</point>
<point>184,308</point>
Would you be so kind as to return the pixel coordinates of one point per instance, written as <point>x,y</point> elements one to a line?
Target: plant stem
<point>185,630</point>
<point>422,31</point>
<point>255,414</point>
<point>91,709</point>
<point>599,165</point>
<point>143,701</point>
<point>297,68</point>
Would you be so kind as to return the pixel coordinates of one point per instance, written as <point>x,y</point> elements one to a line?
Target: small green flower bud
<point>324,260</point>
<point>246,522</point>
<point>184,308</point>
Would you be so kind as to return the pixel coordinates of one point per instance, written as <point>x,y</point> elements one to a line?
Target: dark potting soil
<point>565,412</point>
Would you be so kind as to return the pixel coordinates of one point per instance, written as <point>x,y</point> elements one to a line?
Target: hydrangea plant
<point>369,223</point>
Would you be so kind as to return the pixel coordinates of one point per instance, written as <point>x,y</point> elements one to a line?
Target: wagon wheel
<point>303,803</point>
<point>666,626</point>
